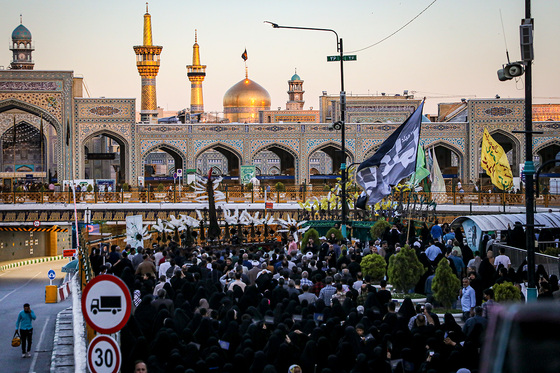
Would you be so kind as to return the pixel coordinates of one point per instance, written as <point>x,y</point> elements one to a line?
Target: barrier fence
<point>239,194</point>
<point>550,263</point>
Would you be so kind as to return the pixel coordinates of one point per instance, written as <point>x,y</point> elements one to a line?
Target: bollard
<point>51,292</point>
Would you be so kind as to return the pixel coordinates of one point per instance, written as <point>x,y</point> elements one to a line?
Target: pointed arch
<point>233,157</point>
<point>499,135</point>
<point>454,150</point>
<point>336,145</point>
<point>289,159</point>
<point>125,160</point>
<point>12,103</point>
<point>176,153</point>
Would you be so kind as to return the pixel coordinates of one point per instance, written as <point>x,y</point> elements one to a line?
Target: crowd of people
<point>301,307</point>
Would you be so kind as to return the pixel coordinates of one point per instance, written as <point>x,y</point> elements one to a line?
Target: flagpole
<point>41,140</point>
<point>13,183</point>
<point>340,49</point>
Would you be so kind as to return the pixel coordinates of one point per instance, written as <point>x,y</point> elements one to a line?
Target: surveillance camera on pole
<point>336,126</point>
<point>510,71</point>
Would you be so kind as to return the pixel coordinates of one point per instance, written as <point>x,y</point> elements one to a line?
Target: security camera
<point>337,126</point>
<point>510,71</point>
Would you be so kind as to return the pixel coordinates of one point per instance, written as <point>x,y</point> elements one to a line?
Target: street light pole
<point>340,49</point>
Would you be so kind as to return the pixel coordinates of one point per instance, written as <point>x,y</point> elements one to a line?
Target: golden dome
<point>247,93</point>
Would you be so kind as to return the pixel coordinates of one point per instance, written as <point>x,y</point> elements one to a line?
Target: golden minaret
<point>196,73</point>
<point>147,62</point>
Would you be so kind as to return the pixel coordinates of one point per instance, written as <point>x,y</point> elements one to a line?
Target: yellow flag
<point>494,160</point>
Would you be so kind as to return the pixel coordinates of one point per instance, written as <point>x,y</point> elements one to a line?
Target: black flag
<point>244,55</point>
<point>68,132</point>
<point>394,160</point>
<point>14,130</point>
<point>41,131</point>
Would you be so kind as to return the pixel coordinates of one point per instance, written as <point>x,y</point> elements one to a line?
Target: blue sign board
<point>51,274</point>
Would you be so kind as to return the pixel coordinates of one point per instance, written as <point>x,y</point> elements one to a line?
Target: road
<point>27,285</point>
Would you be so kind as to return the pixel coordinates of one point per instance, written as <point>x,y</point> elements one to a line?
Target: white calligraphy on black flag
<point>394,160</point>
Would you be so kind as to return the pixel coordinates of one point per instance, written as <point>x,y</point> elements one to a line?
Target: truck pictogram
<point>106,304</point>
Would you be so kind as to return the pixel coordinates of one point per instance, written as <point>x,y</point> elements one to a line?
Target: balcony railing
<point>238,194</point>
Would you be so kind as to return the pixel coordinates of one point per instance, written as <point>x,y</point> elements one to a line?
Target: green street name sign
<point>351,57</point>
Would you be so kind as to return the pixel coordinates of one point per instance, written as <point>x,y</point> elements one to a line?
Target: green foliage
<point>552,251</point>
<point>326,188</point>
<point>125,187</point>
<point>445,285</point>
<point>19,189</point>
<point>160,187</point>
<point>404,269</point>
<point>89,188</point>
<point>280,187</point>
<point>374,265</point>
<point>249,186</point>
<point>378,228</point>
<point>311,233</point>
<point>337,234</point>
<point>506,292</point>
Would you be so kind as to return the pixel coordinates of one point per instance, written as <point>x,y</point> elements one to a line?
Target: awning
<point>500,222</point>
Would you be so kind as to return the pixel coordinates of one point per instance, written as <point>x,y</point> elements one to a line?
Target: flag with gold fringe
<point>494,160</point>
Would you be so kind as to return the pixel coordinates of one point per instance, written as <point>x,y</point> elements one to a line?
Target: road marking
<point>22,286</point>
<point>32,368</point>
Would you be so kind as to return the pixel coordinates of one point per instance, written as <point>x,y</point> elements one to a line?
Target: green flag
<point>421,171</point>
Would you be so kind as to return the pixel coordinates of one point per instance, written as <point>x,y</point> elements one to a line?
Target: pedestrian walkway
<point>63,351</point>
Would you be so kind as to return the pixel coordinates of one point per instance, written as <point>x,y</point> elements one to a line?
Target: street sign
<point>51,274</point>
<point>36,223</point>
<point>268,205</point>
<point>68,253</point>
<point>104,355</point>
<point>175,175</point>
<point>351,57</point>
<point>106,304</point>
<point>179,172</point>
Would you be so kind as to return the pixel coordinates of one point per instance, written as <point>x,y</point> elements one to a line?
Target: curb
<point>57,346</point>
<point>30,261</point>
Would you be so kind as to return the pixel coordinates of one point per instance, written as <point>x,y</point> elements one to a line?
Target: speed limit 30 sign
<point>104,355</point>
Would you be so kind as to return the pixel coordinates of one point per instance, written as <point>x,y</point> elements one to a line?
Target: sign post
<point>350,57</point>
<point>104,355</point>
<point>51,274</point>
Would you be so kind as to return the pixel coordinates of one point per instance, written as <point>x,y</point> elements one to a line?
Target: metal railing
<point>237,193</point>
<point>550,263</point>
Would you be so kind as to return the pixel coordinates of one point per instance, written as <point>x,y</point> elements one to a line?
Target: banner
<point>494,160</point>
<point>247,173</point>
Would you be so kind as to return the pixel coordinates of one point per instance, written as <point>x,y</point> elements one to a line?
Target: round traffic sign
<point>104,355</point>
<point>106,304</point>
<point>36,223</point>
<point>51,274</point>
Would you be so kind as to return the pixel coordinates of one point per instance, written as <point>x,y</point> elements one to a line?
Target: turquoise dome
<point>21,33</point>
<point>295,77</point>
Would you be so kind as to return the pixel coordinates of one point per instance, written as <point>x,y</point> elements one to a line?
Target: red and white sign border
<point>128,303</point>
<point>112,342</point>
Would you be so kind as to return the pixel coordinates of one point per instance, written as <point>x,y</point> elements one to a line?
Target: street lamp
<point>339,49</point>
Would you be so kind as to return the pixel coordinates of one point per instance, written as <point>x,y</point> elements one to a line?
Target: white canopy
<point>500,222</point>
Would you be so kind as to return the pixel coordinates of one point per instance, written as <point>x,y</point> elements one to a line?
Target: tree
<point>445,285</point>
<point>311,233</point>
<point>376,231</point>
<point>337,234</point>
<point>279,187</point>
<point>374,265</point>
<point>404,269</point>
<point>506,292</point>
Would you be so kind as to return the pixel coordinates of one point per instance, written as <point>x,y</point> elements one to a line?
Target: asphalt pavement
<point>26,284</point>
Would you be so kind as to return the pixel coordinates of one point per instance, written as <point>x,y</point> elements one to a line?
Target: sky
<point>451,51</point>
